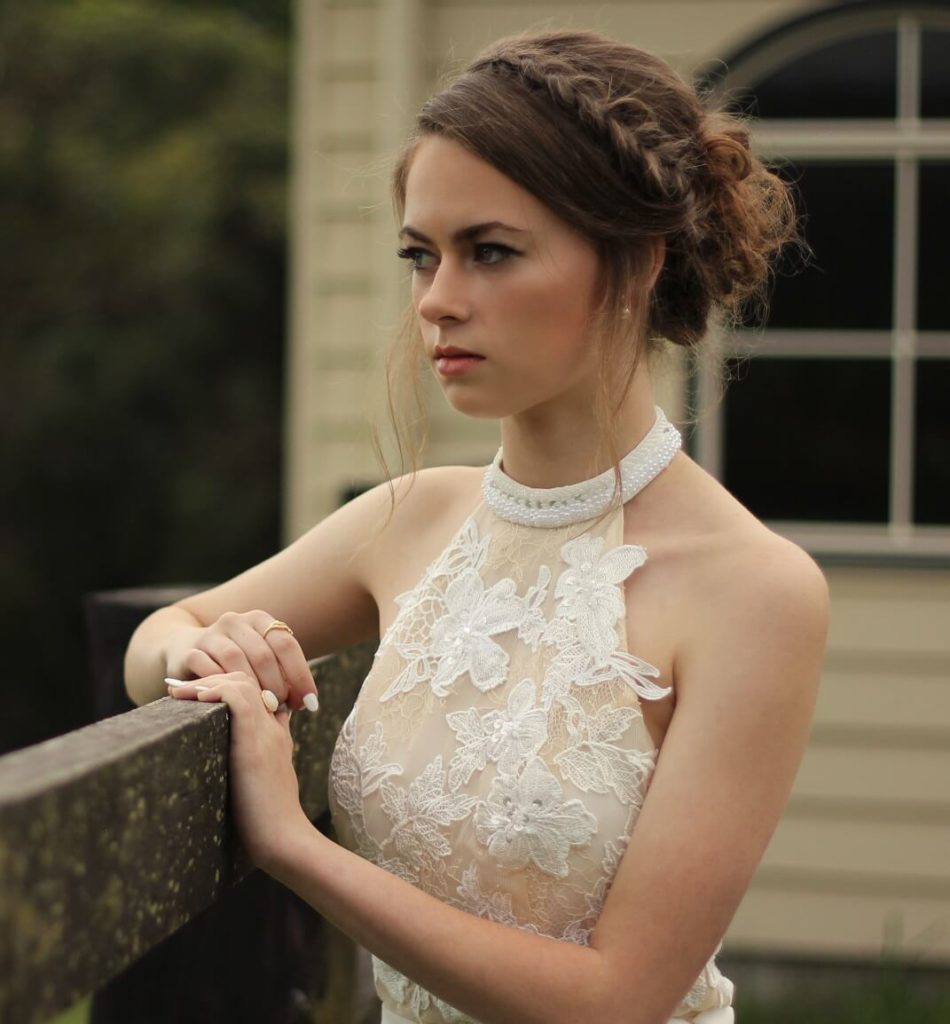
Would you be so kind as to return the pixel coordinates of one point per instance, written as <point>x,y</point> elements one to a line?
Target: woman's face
<point>497,274</point>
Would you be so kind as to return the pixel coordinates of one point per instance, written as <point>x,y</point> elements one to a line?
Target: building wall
<point>860,861</point>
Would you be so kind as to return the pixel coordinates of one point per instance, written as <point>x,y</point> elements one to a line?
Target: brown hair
<point>614,142</point>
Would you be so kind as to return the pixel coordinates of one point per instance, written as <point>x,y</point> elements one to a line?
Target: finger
<point>227,653</point>
<point>244,684</point>
<point>200,663</point>
<point>270,701</point>
<point>262,658</point>
<point>290,657</point>
<point>293,667</point>
<point>242,696</point>
<point>185,689</point>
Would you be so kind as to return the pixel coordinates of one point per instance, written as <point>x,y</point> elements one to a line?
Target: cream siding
<point>861,859</point>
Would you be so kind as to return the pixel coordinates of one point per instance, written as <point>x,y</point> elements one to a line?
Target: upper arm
<point>746,682</point>
<point>321,584</point>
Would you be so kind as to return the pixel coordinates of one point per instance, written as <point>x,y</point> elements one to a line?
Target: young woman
<point>597,670</point>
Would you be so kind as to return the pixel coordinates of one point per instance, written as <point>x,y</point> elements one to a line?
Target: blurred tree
<point>142,180</point>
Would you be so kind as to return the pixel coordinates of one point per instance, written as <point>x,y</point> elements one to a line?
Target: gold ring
<point>277,624</point>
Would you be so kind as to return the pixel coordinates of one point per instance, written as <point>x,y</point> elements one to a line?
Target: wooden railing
<point>114,836</point>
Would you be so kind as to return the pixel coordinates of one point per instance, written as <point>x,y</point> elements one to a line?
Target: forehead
<point>447,183</point>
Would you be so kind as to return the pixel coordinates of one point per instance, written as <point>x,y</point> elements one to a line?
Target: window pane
<point>809,439</point>
<point>933,255</point>
<point>849,223</point>
<point>853,78</point>
<point>935,87</point>
<point>932,463</point>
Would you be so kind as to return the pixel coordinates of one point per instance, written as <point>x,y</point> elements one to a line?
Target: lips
<point>450,352</point>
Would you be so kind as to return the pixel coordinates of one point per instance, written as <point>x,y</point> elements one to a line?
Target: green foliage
<point>898,989</point>
<point>885,1006</point>
<point>78,1014</point>
<point>142,185</point>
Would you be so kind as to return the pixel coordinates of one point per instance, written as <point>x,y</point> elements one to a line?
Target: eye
<point>501,252</point>
<point>486,253</point>
<point>415,254</point>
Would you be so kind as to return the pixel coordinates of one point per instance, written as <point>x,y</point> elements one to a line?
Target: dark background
<point>143,160</point>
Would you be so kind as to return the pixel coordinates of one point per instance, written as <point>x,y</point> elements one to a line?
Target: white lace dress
<point>496,756</point>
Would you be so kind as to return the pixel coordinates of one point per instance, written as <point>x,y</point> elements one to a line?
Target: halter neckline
<point>576,503</point>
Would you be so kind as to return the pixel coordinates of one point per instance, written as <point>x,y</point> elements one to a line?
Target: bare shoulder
<point>746,587</point>
<point>413,520</point>
<point>717,546</point>
<point>755,566</point>
<point>425,495</point>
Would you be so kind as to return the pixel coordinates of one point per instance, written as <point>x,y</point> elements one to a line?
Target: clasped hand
<point>254,643</point>
<point>237,664</point>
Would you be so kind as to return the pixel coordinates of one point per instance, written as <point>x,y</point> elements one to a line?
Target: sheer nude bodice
<point>497,755</point>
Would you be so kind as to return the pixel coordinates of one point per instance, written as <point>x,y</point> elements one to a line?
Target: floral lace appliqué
<point>526,818</point>
<point>419,815</point>
<point>413,997</point>
<point>588,591</point>
<point>462,638</point>
<point>507,737</point>
<point>596,764</point>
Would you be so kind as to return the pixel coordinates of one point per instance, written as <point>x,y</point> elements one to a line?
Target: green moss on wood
<point>114,836</point>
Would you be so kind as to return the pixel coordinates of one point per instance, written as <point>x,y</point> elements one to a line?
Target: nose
<point>444,296</point>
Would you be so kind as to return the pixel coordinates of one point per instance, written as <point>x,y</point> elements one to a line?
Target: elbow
<point>611,1000</point>
<point>133,691</point>
<point>141,667</point>
<point>629,1013</point>
<point>597,1001</point>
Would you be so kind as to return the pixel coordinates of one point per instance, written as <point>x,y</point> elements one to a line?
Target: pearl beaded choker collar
<point>576,503</point>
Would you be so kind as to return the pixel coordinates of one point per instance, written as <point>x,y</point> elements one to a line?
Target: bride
<point>597,670</point>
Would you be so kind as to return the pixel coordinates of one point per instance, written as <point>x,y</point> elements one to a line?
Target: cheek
<point>550,290</point>
<point>554,309</point>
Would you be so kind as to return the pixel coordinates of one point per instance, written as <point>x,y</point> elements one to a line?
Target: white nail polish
<point>175,682</point>
<point>202,687</point>
<point>270,700</point>
<point>311,703</point>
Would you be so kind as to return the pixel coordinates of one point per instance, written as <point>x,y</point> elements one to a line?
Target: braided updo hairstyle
<point>614,142</point>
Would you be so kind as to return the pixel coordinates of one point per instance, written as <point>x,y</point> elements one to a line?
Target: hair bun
<point>728,153</point>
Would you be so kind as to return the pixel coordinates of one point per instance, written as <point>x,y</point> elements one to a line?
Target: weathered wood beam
<point>114,836</point>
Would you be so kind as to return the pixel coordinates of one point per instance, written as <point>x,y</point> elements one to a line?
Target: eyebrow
<point>463,233</point>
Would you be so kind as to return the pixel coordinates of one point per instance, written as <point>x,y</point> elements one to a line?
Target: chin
<point>479,407</point>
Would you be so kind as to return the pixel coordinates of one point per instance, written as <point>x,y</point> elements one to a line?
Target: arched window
<point>837,432</point>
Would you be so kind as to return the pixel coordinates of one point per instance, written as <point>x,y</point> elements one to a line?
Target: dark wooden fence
<point>114,837</point>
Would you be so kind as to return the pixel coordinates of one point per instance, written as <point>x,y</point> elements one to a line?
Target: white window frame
<point>904,141</point>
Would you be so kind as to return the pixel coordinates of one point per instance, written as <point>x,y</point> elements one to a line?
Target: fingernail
<point>175,682</point>
<point>202,687</point>
<point>270,700</point>
<point>311,703</point>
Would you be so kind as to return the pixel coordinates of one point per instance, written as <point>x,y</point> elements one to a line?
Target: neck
<point>550,446</point>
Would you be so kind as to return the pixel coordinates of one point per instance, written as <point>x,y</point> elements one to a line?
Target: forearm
<point>147,654</point>
<point>498,974</point>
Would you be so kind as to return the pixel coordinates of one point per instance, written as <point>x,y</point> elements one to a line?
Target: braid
<point>655,162</point>
<point>620,148</point>
<point>614,142</point>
